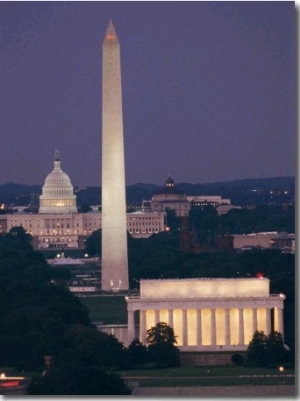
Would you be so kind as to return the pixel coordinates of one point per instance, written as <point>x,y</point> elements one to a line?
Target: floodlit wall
<point>204,288</point>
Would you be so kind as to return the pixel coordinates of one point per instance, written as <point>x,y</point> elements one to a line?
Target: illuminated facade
<point>68,230</point>
<point>114,233</point>
<point>172,198</point>
<point>59,226</point>
<point>207,314</point>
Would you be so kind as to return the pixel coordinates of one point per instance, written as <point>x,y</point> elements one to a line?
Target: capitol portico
<point>207,314</point>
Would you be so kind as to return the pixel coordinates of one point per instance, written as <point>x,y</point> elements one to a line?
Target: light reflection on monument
<point>114,227</point>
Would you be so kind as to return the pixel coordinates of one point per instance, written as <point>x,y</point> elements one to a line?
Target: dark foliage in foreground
<point>40,317</point>
<point>266,350</point>
<point>78,380</point>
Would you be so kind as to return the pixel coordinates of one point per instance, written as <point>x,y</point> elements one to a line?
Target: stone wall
<point>206,358</point>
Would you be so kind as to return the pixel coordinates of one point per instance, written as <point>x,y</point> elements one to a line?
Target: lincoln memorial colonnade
<point>207,314</point>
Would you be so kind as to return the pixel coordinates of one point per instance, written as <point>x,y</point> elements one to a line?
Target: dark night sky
<point>208,89</point>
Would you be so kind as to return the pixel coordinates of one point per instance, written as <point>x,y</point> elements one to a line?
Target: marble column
<point>171,322</point>
<point>130,330</point>
<point>227,327</point>
<point>268,321</point>
<point>156,317</point>
<point>241,327</point>
<point>213,327</point>
<point>184,327</point>
<point>199,327</point>
<point>143,327</point>
<point>254,320</point>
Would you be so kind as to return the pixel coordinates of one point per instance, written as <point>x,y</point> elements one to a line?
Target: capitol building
<point>58,225</point>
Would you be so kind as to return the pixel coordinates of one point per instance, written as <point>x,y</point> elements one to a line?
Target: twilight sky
<point>209,89</point>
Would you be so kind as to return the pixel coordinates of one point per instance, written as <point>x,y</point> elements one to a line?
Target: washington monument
<point>114,229</point>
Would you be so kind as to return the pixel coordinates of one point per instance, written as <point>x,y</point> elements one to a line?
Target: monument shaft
<point>114,230</point>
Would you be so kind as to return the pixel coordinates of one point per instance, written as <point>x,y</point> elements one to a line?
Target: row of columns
<point>213,331</point>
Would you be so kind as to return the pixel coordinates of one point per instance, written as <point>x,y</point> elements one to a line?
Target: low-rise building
<point>284,241</point>
<point>266,240</point>
<point>253,240</point>
<point>222,205</point>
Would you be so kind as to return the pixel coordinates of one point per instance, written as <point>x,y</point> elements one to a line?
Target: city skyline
<point>208,89</point>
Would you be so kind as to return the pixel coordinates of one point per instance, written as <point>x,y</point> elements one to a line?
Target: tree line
<point>47,331</point>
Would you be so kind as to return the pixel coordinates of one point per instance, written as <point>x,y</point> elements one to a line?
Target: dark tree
<point>78,380</point>
<point>267,350</point>
<point>161,342</point>
<point>16,240</point>
<point>138,353</point>
<point>276,354</point>
<point>256,352</point>
<point>95,347</point>
<point>60,275</point>
<point>93,243</point>
<point>161,334</point>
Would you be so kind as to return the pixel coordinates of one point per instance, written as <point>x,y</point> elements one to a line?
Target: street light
<point>281,377</point>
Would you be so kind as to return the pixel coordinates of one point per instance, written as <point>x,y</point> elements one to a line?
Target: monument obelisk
<point>114,227</point>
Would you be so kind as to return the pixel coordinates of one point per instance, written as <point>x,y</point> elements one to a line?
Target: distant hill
<point>241,192</point>
<point>258,183</point>
<point>11,189</point>
<point>251,191</point>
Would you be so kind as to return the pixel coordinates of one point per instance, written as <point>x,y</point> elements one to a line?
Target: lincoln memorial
<point>207,314</point>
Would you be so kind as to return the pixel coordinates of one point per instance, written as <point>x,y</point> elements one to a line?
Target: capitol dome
<point>57,192</point>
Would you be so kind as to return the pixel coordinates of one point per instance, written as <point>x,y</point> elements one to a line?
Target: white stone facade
<point>144,224</point>
<point>49,230</point>
<point>63,230</point>
<point>207,314</point>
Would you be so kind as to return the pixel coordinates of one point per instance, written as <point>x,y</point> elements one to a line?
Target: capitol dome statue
<point>57,192</point>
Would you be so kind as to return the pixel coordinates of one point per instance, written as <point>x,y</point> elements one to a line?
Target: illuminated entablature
<point>205,288</point>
